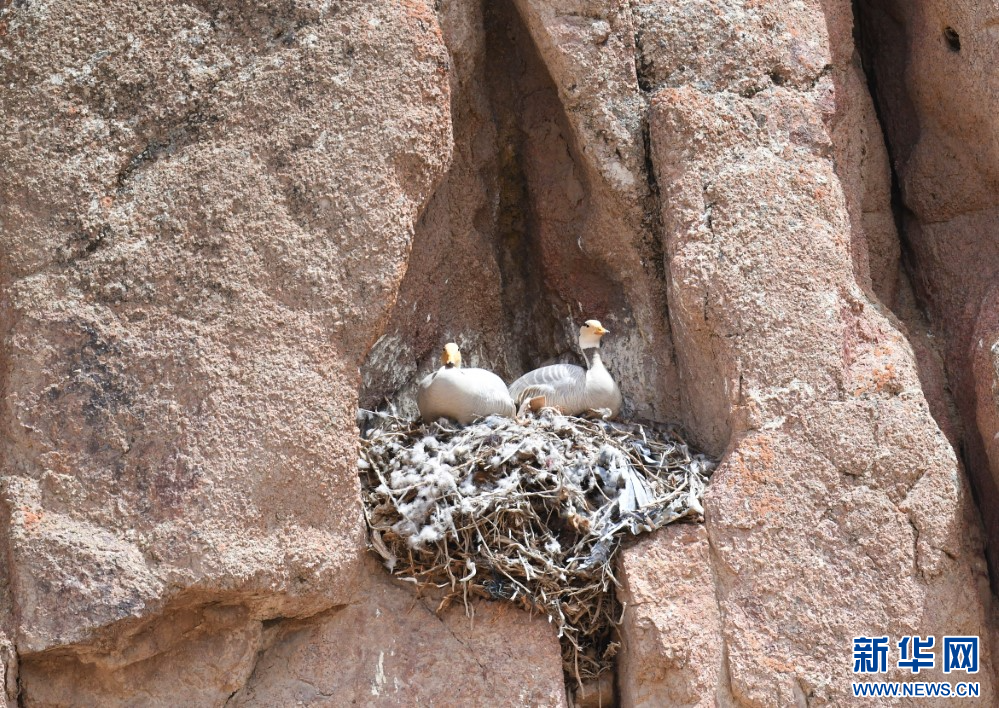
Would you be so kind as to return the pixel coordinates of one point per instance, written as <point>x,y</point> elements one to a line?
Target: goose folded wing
<point>545,381</point>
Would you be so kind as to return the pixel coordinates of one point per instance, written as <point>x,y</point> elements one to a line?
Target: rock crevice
<point>225,229</point>
<point>934,105</point>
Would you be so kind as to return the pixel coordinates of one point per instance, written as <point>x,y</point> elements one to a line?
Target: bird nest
<point>530,510</point>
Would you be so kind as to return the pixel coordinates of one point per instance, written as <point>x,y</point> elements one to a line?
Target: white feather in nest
<point>538,507</point>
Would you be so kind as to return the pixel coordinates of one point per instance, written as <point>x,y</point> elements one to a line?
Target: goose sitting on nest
<point>572,389</point>
<point>462,394</point>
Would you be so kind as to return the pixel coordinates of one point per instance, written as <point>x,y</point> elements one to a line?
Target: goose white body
<point>463,394</point>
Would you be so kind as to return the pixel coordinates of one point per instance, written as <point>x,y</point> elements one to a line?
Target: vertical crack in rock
<point>476,273</point>
<point>862,28</point>
<point>775,305</point>
<point>898,128</point>
<point>545,216</point>
<point>946,202</point>
<point>525,236</point>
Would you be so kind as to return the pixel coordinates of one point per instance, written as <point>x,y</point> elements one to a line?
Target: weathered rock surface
<point>932,65</point>
<point>672,631</point>
<point>779,239</point>
<point>206,211</point>
<point>839,506</point>
<point>211,211</point>
<point>392,649</point>
<point>197,656</point>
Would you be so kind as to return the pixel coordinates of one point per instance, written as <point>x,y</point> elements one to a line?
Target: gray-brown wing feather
<point>551,381</point>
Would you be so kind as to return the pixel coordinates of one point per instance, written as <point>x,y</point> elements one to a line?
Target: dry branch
<point>531,511</point>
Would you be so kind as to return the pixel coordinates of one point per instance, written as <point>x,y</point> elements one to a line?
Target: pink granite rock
<point>211,212</point>
<point>932,64</point>
<point>672,653</point>
<point>839,508</point>
<point>391,649</point>
<point>206,213</point>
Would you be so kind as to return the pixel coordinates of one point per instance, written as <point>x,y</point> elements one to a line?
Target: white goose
<point>572,389</point>
<point>462,394</point>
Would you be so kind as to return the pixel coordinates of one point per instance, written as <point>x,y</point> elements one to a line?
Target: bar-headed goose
<point>572,389</point>
<point>462,394</point>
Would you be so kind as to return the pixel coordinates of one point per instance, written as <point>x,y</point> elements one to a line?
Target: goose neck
<point>592,357</point>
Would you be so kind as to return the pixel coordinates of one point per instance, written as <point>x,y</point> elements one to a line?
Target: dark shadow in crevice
<point>524,100</point>
<point>886,86</point>
<point>882,42</point>
<point>496,263</point>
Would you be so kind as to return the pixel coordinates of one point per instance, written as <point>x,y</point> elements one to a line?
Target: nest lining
<point>531,511</point>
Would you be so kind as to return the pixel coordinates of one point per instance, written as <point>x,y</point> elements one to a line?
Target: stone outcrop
<point>196,233</point>
<point>226,223</point>
<point>672,630</point>
<point>401,652</point>
<point>206,210</point>
<point>778,242</point>
<point>199,656</point>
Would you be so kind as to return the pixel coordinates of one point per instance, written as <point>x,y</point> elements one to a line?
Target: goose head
<point>451,358</point>
<point>590,334</point>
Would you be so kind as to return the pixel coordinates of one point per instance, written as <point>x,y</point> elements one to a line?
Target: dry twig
<point>531,511</point>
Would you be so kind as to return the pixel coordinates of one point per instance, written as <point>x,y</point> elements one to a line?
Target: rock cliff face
<point>226,223</point>
<point>931,67</point>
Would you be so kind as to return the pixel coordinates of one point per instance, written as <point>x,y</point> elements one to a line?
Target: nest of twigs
<point>531,511</point>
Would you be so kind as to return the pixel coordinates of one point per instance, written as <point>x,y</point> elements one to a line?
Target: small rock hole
<point>952,38</point>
